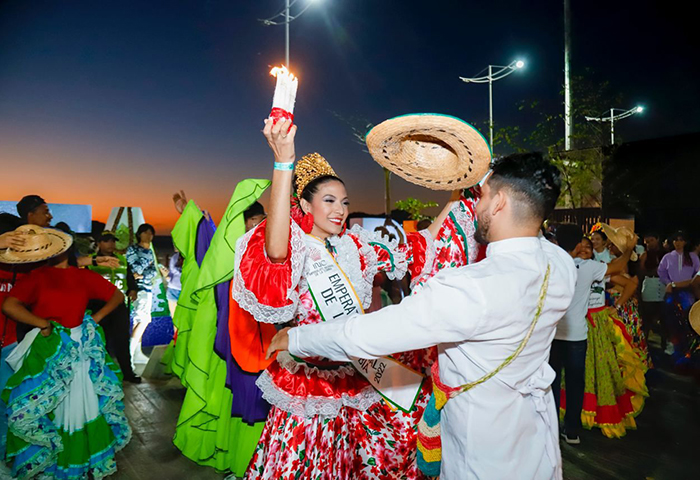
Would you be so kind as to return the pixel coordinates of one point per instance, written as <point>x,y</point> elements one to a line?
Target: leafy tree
<point>581,167</point>
<point>414,208</point>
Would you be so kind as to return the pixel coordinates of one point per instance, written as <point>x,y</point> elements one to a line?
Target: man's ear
<point>499,202</point>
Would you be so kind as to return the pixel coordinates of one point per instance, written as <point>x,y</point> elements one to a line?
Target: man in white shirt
<point>570,341</point>
<point>477,315</point>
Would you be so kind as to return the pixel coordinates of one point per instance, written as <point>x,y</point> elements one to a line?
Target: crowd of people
<point>310,350</point>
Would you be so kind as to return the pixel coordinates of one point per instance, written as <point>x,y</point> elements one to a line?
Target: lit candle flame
<point>282,71</point>
<point>285,90</point>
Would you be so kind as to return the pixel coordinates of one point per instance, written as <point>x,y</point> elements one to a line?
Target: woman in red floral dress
<point>327,421</point>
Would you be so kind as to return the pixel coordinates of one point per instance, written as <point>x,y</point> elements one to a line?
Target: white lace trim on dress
<point>247,299</point>
<point>314,406</point>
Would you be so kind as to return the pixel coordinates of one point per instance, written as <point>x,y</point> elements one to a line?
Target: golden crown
<point>309,168</point>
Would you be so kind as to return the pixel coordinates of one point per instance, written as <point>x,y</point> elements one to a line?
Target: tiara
<point>309,168</point>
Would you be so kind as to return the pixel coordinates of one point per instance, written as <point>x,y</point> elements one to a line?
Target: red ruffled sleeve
<point>379,253</point>
<point>268,290</point>
<point>422,247</point>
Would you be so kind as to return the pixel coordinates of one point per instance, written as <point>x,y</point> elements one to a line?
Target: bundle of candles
<point>285,94</point>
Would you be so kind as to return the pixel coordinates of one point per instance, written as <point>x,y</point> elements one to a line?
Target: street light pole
<point>612,126</point>
<point>286,34</point>
<point>286,18</point>
<point>501,72</point>
<point>491,107</point>
<point>614,118</point>
<point>568,118</point>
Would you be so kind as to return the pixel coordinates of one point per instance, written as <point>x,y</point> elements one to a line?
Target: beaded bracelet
<point>284,166</point>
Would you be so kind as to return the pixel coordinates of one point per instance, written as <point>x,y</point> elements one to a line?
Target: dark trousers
<point>117,327</point>
<point>571,357</point>
<point>652,314</point>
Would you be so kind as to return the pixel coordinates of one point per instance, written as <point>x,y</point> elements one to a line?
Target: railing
<point>585,217</point>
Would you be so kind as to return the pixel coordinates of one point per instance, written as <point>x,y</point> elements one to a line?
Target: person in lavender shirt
<point>677,271</point>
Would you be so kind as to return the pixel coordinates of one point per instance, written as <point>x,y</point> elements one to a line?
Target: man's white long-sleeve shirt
<point>477,315</point>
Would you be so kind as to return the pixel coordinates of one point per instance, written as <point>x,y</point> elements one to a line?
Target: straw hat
<point>436,151</point>
<point>622,237</point>
<point>40,244</point>
<point>694,317</point>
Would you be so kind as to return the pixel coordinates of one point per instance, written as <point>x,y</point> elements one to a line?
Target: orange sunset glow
<point>78,176</point>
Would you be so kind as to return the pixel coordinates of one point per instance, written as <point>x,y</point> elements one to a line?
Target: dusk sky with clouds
<point>122,103</point>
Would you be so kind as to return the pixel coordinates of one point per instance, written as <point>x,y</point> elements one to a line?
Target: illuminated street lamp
<point>614,118</point>
<point>285,18</point>
<point>493,75</point>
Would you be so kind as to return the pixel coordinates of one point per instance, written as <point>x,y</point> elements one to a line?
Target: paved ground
<point>152,409</point>
<point>665,446</point>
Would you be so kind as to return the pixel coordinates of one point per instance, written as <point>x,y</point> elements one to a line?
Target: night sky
<point>121,103</point>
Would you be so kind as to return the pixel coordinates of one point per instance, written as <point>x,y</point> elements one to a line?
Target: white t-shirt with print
<point>589,293</point>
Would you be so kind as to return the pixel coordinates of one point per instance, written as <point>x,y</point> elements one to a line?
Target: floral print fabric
<point>327,422</point>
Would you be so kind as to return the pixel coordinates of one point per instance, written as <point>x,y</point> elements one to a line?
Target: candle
<point>285,94</point>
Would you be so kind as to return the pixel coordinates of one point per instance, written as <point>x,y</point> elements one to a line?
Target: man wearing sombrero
<point>493,323</point>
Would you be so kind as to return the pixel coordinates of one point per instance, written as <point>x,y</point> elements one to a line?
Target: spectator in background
<point>64,401</point>
<point>600,247</point>
<point>677,271</point>
<point>33,210</point>
<point>174,280</point>
<point>253,216</point>
<point>570,343</point>
<point>653,289</point>
<point>423,224</point>
<point>142,262</point>
<point>116,325</point>
<point>667,246</point>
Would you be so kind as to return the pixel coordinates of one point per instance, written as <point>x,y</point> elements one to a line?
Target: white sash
<point>335,298</point>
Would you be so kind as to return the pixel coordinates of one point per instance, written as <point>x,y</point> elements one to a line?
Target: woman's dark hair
<point>568,236</point>
<point>313,186</point>
<point>144,228</point>
<point>72,257</point>
<point>687,260</point>
<point>601,233</point>
<point>653,257</point>
<point>533,181</point>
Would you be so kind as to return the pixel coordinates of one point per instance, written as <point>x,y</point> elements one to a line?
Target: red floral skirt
<point>328,423</point>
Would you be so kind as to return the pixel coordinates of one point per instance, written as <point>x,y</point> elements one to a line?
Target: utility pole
<point>568,121</point>
<point>286,34</point>
<point>501,72</point>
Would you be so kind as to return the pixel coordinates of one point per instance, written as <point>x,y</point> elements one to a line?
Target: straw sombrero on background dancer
<point>622,237</point>
<point>694,317</point>
<point>40,244</point>
<point>436,151</point>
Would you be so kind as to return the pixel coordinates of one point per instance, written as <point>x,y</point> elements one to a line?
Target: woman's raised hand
<point>180,201</point>
<point>280,138</point>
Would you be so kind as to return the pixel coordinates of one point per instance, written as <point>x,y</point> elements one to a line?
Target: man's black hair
<point>254,210</point>
<point>652,234</point>
<point>534,180</point>
<point>28,204</point>
<point>568,236</point>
